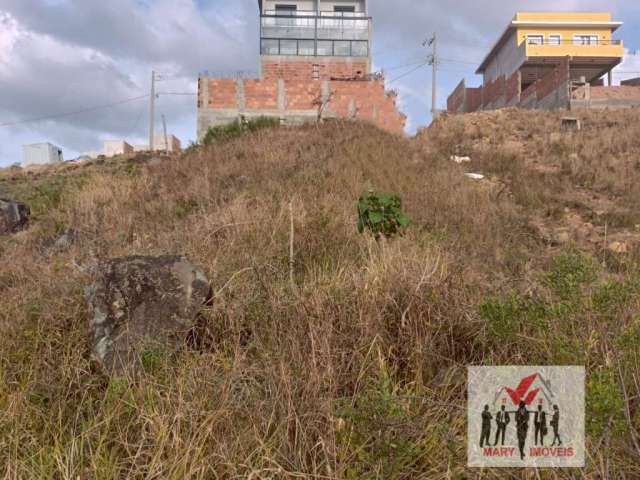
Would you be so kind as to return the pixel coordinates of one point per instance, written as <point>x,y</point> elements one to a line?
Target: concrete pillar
<point>282,95</point>
<point>204,87</point>
<point>610,78</point>
<point>241,101</point>
<point>351,109</point>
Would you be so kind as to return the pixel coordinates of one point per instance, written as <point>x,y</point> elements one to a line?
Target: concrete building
<point>116,147</point>
<point>41,154</point>
<point>540,59</point>
<point>159,145</point>
<point>315,60</point>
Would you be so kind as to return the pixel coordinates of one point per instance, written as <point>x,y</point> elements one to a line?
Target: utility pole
<point>433,43</point>
<point>152,110</point>
<point>164,129</point>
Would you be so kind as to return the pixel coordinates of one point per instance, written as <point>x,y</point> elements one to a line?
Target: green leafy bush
<point>224,133</point>
<point>381,213</point>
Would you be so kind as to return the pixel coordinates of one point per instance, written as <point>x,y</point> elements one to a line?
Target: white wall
<point>41,154</point>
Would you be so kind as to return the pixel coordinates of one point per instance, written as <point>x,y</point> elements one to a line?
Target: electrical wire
<point>406,73</point>
<point>77,112</point>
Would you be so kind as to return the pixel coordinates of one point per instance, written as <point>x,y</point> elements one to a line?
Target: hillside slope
<point>358,368</point>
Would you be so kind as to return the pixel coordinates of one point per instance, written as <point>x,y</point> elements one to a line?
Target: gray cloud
<point>65,55</point>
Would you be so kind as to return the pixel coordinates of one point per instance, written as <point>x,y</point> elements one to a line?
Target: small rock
<point>459,160</point>
<point>143,303</point>
<point>618,247</point>
<point>474,176</point>
<point>561,237</point>
<point>14,216</point>
<point>66,239</point>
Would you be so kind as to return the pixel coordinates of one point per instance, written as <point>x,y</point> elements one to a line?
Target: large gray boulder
<point>14,216</point>
<point>141,304</point>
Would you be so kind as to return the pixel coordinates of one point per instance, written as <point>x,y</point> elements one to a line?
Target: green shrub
<point>380,432</point>
<point>604,402</point>
<point>569,272</point>
<point>381,213</point>
<point>224,133</point>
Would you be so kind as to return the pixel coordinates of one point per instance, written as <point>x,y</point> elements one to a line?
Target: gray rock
<point>140,304</point>
<point>14,216</point>
<point>62,243</point>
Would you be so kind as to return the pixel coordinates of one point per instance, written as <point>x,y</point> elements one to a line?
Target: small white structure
<point>159,144</point>
<point>41,154</point>
<point>116,147</point>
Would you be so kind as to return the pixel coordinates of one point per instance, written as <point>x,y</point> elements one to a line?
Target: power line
<point>398,67</point>
<point>407,73</point>
<point>76,112</point>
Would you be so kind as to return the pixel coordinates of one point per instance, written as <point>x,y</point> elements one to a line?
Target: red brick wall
<point>261,94</point>
<point>302,95</point>
<point>304,70</point>
<point>473,99</point>
<point>457,98</point>
<point>222,93</point>
<point>553,80</point>
<point>512,86</point>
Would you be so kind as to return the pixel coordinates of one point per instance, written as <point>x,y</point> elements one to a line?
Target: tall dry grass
<point>357,370</point>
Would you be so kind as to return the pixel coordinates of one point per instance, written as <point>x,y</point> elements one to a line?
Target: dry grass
<point>356,371</point>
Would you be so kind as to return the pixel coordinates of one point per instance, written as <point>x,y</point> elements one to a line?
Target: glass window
<point>359,49</point>
<point>555,39</point>
<point>342,48</point>
<point>535,39</point>
<point>282,9</point>
<point>269,47</point>
<point>325,47</point>
<point>585,39</point>
<point>344,10</point>
<point>288,47</point>
<point>306,47</point>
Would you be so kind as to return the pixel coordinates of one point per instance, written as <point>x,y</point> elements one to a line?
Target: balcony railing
<point>307,25</point>
<point>574,41</point>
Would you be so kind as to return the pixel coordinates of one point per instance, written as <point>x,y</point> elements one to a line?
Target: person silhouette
<point>555,424</point>
<point>522,427</point>
<point>486,427</point>
<point>502,419</point>
<point>540,424</point>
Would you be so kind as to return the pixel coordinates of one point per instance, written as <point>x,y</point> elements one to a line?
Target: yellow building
<point>535,43</point>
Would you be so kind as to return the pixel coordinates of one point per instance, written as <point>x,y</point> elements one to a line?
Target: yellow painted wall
<point>563,17</point>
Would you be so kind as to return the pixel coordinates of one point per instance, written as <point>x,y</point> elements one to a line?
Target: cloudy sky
<point>64,56</point>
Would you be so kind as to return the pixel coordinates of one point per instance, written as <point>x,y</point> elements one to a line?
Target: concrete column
<point>241,101</point>
<point>610,78</point>
<point>282,95</point>
<point>204,87</point>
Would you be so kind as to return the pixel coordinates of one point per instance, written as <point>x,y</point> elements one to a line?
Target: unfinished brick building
<point>315,60</point>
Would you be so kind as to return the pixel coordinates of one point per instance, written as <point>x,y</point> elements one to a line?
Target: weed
<point>224,133</point>
<point>381,214</point>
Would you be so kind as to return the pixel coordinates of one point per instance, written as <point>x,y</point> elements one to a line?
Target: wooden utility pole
<point>152,111</point>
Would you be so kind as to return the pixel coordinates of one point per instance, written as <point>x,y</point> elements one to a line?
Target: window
<point>359,49</point>
<point>288,47</point>
<point>282,9</point>
<point>342,49</point>
<point>344,9</point>
<point>535,39</point>
<point>585,39</point>
<point>306,47</point>
<point>555,39</point>
<point>269,47</point>
<point>325,47</point>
